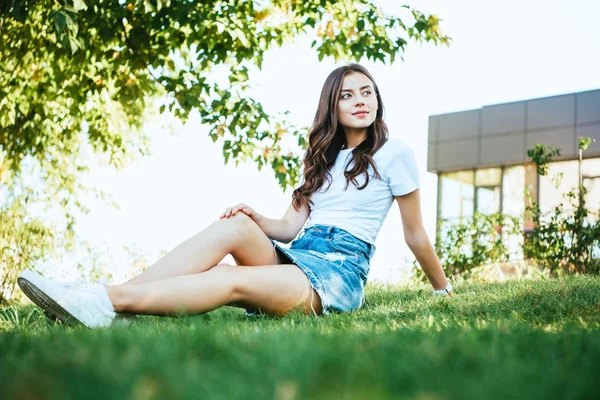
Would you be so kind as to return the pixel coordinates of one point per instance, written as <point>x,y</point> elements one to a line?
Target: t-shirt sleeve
<point>403,173</point>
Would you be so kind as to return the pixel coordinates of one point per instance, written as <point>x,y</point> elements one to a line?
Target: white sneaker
<point>72,303</point>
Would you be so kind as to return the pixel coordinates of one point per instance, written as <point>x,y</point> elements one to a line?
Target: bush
<point>563,241</point>
<point>30,243</point>
<point>477,241</point>
<point>23,242</point>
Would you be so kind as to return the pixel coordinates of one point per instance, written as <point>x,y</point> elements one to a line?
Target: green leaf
<point>71,24</point>
<point>148,6</point>
<point>60,20</point>
<point>241,36</point>
<point>74,44</point>
<point>79,5</point>
<point>584,142</point>
<point>24,107</point>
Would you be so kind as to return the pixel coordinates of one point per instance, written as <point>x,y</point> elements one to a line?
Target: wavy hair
<point>326,138</point>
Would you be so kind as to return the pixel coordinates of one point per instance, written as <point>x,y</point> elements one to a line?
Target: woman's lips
<point>361,114</point>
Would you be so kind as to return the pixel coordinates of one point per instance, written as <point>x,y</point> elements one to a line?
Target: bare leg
<point>273,289</point>
<point>238,235</point>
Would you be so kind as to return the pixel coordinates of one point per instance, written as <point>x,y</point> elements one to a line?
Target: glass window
<point>592,197</point>
<point>591,181</point>
<point>513,190</point>
<point>487,182</point>
<point>488,177</point>
<point>488,199</point>
<point>591,167</point>
<point>456,200</point>
<point>561,178</point>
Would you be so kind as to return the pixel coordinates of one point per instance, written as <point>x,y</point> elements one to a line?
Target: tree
<point>74,72</point>
<point>75,67</point>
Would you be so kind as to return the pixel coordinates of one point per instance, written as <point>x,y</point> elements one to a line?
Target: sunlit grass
<point>517,339</point>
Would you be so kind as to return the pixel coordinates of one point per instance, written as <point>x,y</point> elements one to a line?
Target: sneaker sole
<point>46,303</point>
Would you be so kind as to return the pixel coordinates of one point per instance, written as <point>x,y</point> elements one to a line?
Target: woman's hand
<point>249,211</point>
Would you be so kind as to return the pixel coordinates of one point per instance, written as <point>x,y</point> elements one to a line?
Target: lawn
<point>534,339</point>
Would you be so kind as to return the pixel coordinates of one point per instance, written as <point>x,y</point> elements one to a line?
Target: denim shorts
<point>335,262</point>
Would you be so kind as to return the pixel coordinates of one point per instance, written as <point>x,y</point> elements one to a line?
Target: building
<point>480,156</point>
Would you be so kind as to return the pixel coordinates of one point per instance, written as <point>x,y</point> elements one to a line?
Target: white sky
<point>501,51</point>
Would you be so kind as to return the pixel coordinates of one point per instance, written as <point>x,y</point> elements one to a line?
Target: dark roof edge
<point>517,101</point>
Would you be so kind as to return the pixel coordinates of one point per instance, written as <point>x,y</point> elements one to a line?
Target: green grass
<point>534,339</point>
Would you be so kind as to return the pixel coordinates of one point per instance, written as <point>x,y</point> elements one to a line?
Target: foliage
<point>478,240</point>
<point>584,143</point>
<point>562,240</point>
<point>542,155</point>
<point>109,264</point>
<point>23,242</point>
<point>28,242</point>
<point>567,238</point>
<point>80,66</point>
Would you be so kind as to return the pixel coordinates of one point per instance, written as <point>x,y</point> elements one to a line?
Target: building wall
<point>500,134</point>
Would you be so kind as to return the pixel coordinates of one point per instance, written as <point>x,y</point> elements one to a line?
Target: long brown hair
<point>326,138</point>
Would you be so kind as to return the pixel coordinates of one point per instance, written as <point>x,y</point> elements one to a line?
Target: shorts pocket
<point>347,248</point>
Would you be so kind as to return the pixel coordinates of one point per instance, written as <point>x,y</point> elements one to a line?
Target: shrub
<point>477,241</point>
<point>23,242</point>
<point>563,240</point>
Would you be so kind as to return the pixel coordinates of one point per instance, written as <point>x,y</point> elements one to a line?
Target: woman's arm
<point>417,240</point>
<point>283,230</point>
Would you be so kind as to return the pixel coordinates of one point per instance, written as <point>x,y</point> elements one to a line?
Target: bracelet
<point>445,291</point>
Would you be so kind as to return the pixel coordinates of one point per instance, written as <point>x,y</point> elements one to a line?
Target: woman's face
<point>357,105</point>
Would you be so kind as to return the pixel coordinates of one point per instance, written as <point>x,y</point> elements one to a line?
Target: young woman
<point>352,175</point>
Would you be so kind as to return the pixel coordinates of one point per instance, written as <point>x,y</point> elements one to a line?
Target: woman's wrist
<point>258,218</point>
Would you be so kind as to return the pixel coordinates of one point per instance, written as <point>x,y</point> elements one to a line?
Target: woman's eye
<point>368,92</point>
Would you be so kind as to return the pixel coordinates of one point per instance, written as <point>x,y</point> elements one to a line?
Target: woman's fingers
<point>227,213</point>
<point>235,209</point>
<point>230,211</point>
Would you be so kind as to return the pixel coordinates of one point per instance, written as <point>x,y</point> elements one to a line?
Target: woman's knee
<point>241,224</point>
<point>240,219</point>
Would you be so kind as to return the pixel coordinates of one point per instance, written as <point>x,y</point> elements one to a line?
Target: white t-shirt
<point>362,212</point>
